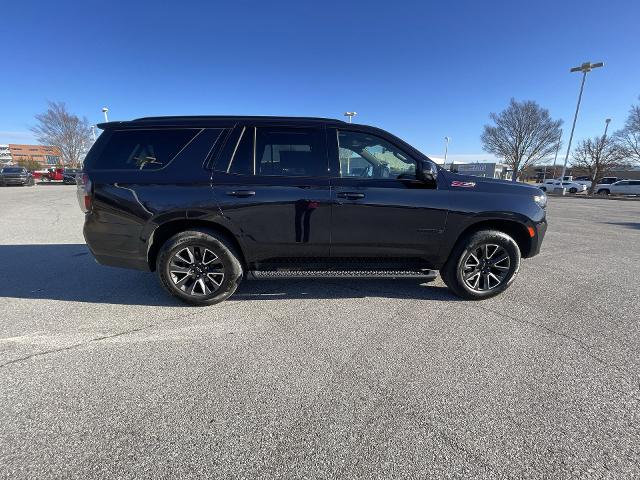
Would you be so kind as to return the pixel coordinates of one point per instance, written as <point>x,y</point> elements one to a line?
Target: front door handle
<point>351,195</point>
<point>241,193</point>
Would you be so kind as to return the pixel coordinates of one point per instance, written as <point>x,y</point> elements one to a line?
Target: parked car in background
<point>586,181</point>
<point>15,176</point>
<point>622,187</point>
<point>49,175</point>
<point>69,175</point>
<point>572,187</point>
<point>609,180</point>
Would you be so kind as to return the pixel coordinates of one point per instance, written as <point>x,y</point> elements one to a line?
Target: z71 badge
<point>456,183</point>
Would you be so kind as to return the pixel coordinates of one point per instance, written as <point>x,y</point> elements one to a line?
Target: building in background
<point>5,154</point>
<point>46,156</point>
<point>489,170</point>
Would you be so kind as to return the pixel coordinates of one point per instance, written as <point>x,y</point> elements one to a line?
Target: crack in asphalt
<point>581,345</point>
<point>94,340</point>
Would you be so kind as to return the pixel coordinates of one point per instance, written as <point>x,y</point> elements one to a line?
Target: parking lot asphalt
<point>103,375</point>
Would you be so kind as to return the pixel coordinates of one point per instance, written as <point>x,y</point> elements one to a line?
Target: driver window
<point>366,156</point>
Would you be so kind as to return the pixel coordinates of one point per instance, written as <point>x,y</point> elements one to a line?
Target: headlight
<point>541,200</point>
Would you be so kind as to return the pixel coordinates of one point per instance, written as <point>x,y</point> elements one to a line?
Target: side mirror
<point>428,172</point>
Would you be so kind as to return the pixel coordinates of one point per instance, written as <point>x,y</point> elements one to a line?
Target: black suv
<point>207,200</point>
<point>16,176</point>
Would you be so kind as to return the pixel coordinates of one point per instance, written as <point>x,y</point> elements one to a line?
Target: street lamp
<point>606,127</point>
<point>350,115</point>
<point>105,110</point>
<point>446,148</point>
<point>555,158</point>
<point>585,68</point>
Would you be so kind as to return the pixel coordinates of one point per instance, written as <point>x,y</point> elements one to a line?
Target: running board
<point>423,274</point>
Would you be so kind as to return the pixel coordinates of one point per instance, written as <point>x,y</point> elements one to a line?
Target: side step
<point>423,274</point>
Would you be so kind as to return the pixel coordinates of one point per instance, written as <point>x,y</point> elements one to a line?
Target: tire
<point>544,189</point>
<point>603,191</point>
<point>460,262</point>
<point>213,261</point>
<point>573,190</point>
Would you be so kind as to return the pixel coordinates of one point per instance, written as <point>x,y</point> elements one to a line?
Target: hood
<point>493,185</point>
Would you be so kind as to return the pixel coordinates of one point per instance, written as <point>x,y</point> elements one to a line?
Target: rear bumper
<point>113,247</point>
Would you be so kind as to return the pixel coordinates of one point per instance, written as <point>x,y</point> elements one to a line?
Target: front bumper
<point>14,181</point>
<point>540,228</point>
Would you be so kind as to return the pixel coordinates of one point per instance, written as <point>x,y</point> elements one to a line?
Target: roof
<point>216,120</point>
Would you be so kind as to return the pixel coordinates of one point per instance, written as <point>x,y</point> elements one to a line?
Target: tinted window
<point>143,149</point>
<point>242,160</point>
<point>624,182</point>
<point>13,170</point>
<point>366,156</point>
<point>634,182</point>
<point>292,152</point>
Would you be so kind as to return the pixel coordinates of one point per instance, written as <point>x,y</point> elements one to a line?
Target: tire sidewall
<point>229,259</point>
<point>493,237</point>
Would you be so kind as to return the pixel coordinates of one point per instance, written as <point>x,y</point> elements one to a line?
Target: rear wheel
<point>199,267</point>
<point>573,190</point>
<point>603,191</point>
<point>482,265</point>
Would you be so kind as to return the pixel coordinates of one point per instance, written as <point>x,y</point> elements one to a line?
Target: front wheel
<point>573,190</point>
<point>199,267</point>
<point>482,265</point>
<point>603,191</point>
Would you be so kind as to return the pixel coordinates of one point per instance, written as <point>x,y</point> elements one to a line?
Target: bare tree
<point>629,136</point>
<point>70,133</point>
<point>522,135</point>
<point>597,156</point>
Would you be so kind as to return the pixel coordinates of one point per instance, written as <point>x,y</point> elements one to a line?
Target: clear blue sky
<point>422,69</point>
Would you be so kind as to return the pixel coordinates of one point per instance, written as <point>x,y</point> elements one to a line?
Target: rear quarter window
<point>138,149</point>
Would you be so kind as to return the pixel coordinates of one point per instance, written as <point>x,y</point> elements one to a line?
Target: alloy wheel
<point>196,270</point>
<point>485,267</point>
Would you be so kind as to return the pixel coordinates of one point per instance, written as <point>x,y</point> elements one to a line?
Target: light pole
<point>446,149</point>
<point>350,115</point>
<point>606,127</point>
<point>585,68</point>
<point>555,158</point>
<point>105,110</point>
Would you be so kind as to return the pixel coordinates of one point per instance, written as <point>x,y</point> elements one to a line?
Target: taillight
<point>84,191</point>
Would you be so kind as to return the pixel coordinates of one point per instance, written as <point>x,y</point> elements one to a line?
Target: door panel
<point>392,219</point>
<point>379,208</point>
<point>275,217</point>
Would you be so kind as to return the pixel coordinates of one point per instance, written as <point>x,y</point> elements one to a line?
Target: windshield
<point>13,170</point>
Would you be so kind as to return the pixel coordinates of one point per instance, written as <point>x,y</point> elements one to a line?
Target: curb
<point>597,197</point>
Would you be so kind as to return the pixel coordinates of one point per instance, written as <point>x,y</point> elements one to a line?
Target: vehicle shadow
<point>68,272</point>
<point>633,225</point>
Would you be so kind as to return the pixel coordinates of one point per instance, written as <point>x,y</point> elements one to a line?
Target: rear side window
<point>143,149</point>
<point>291,152</point>
<point>279,151</point>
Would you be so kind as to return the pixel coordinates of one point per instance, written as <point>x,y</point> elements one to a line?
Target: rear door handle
<point>241,193</point>
<point>350,195</point>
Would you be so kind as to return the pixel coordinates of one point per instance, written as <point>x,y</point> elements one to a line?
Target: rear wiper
<point>147,160</point>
